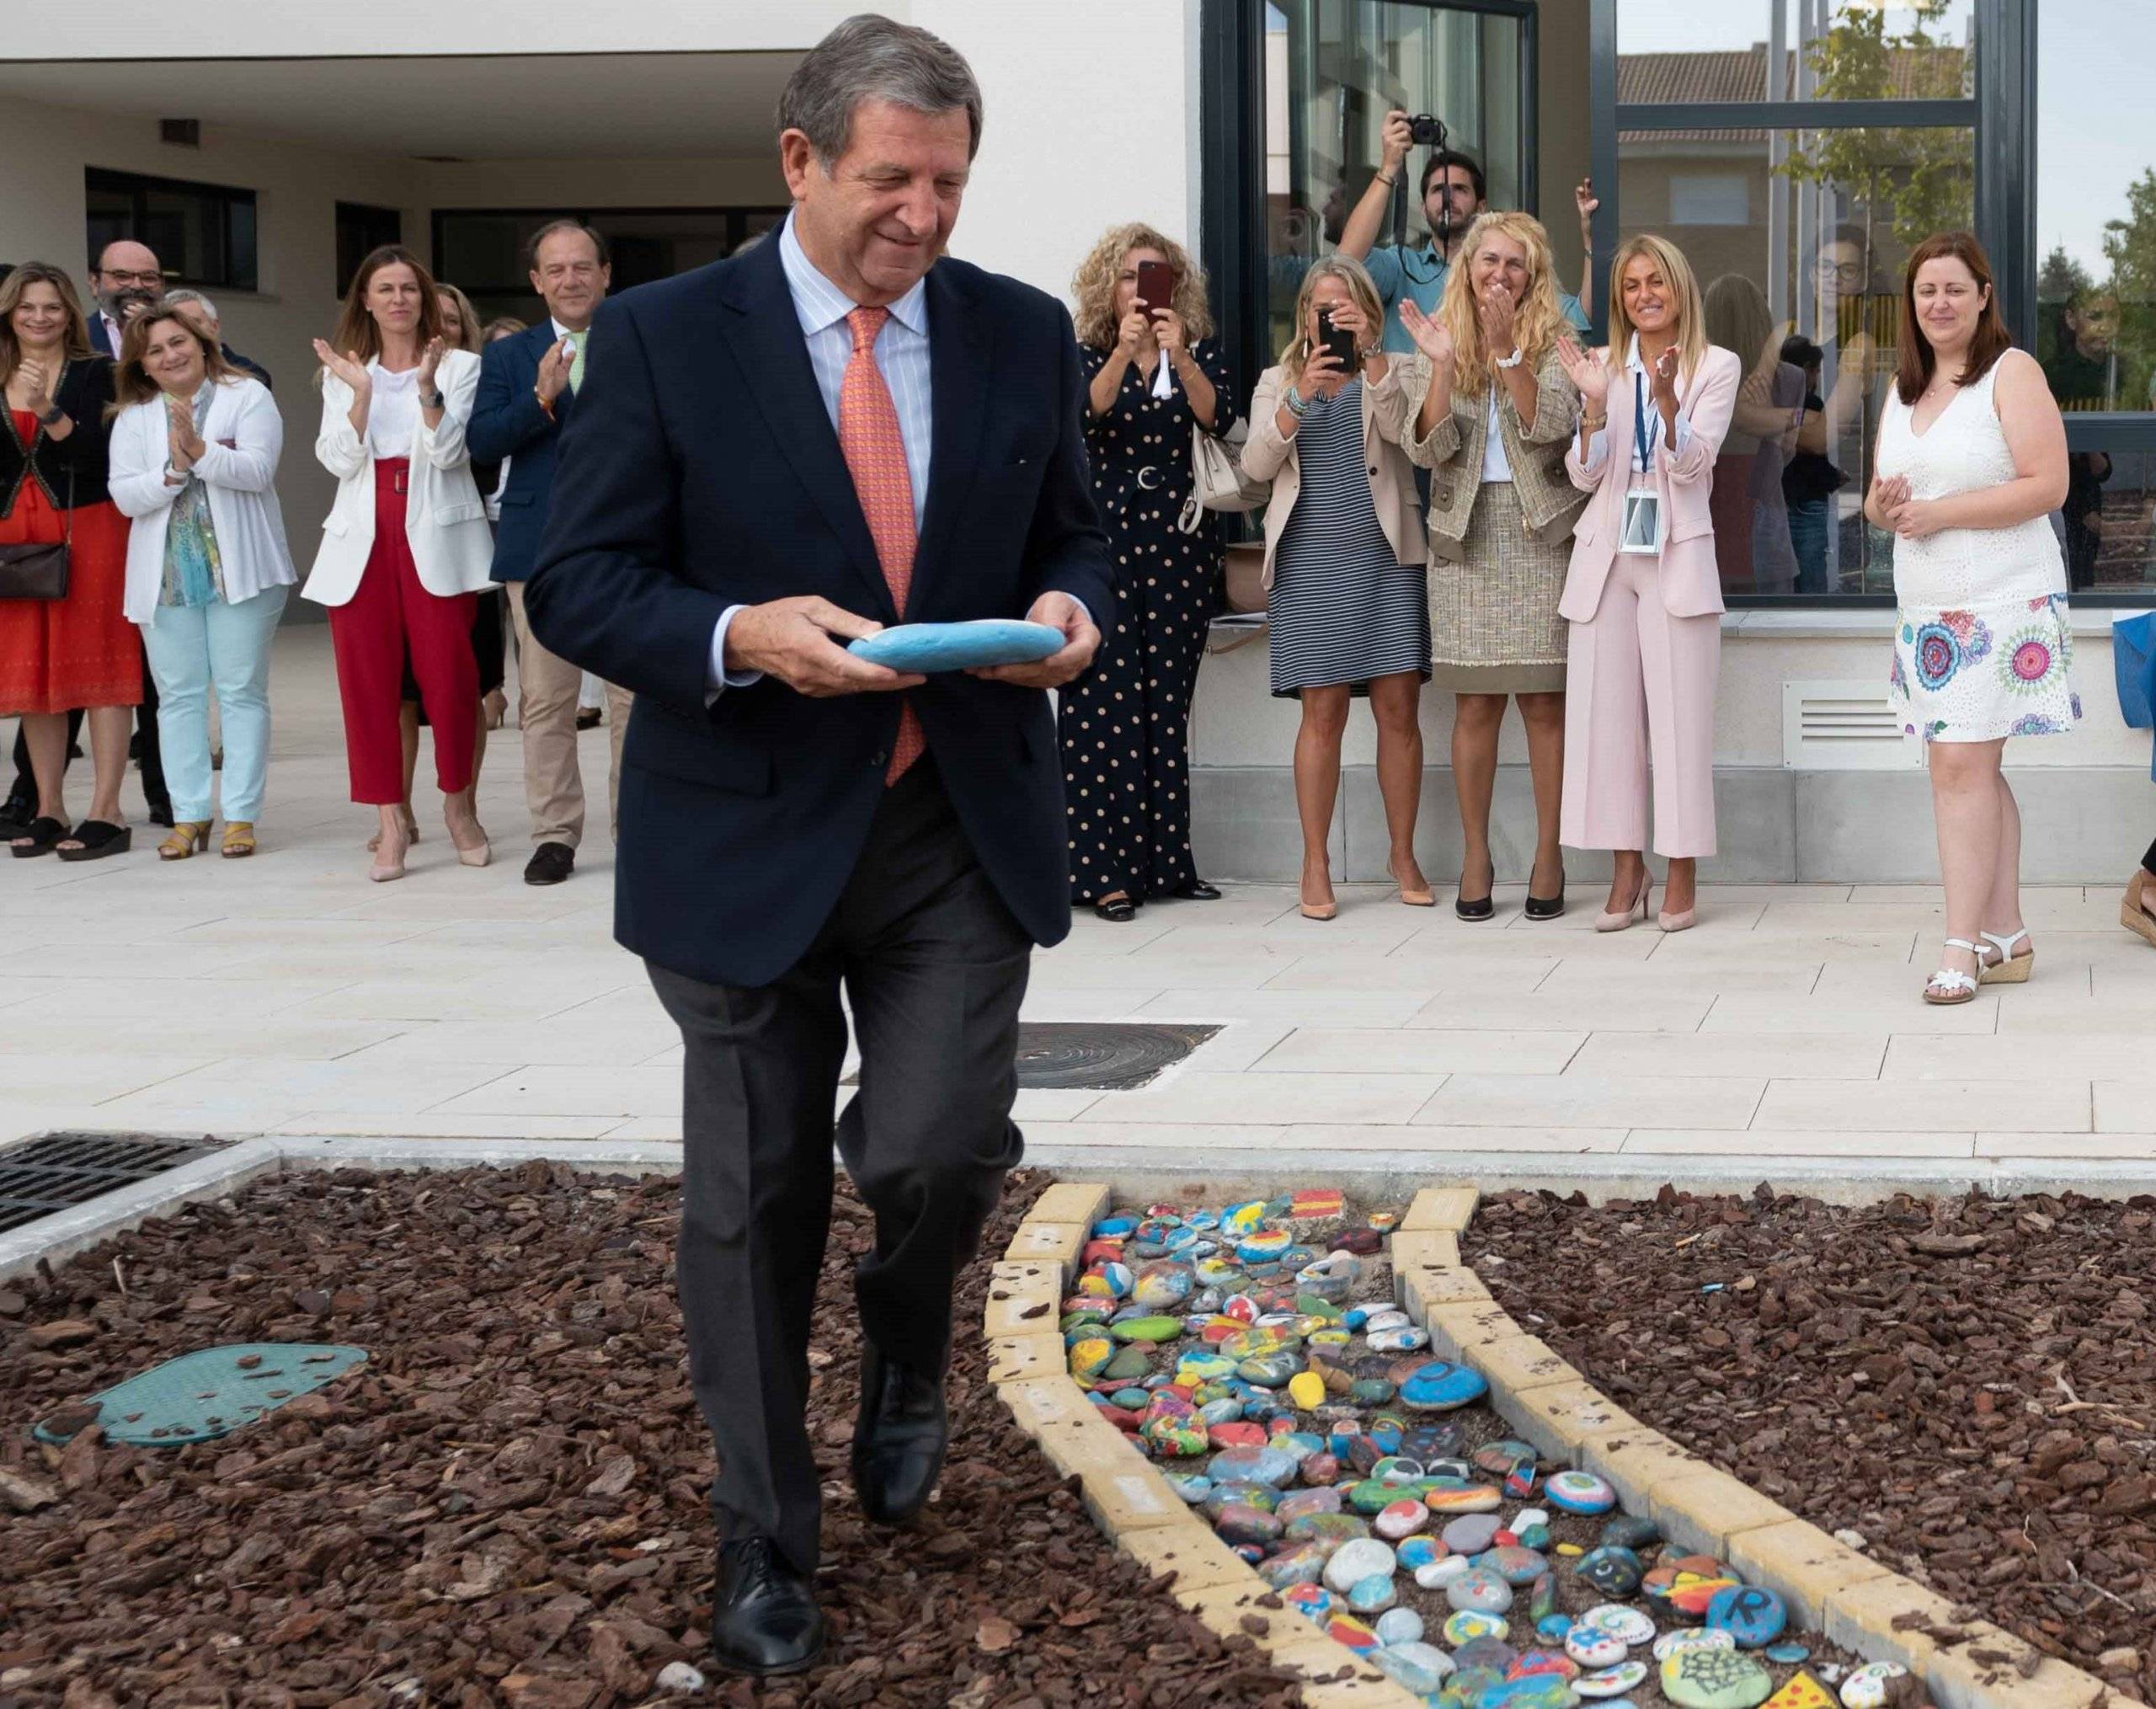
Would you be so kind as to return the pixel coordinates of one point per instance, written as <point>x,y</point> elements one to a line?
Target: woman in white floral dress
<point>1971,460</point>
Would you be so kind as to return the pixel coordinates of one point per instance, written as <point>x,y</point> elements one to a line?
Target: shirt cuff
<point>1597,448</point>
<point>718,678</point>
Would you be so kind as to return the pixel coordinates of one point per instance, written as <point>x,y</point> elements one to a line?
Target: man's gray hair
<point>872,58</point>
<point>174,298</point>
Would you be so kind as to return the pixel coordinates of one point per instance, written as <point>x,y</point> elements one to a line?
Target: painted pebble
<point>1400,1519</point>
<point>1464,1626</point>
<point>1751,1614</point>
<point>1613,1681</point>
<point>1306,1389</point>
<point>1628,1626</point>
<point>1579,1492</point>
<point>1788,1655</point>
<point>1413,1665</point>
<point>1408,1340</point>
<point>1400,1625</point>
<point>1440,1385</point>
<point>1705,1678</point>
<point>1801,1692</point>
<point>1419,1552</point>
<point>1438,1574</point>
<point>1449,1495</point>
<point>1594,1650</point>
<point>1685,1637</point>
<point>1356,1560</point>
<point>1470,1533</point>
<point>1480,1591</point>
<point>1514,1565</point>
<point>1866,1687</point>
<point>1613,1572</point>
<point>1373,1594</point>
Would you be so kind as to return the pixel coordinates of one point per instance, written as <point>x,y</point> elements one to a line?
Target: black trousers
<point>149,751</point>
<point>2149,860</point>
<point>25,779</point>
<point>934,968</point>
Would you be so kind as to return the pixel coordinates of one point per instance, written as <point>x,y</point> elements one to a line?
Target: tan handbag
<point>1245,576</point>
<point>1217,480</point>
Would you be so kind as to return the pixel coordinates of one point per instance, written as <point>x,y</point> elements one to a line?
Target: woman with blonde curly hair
<point>1493,411</point>
<point>1155,378</point>
<point>1344,558</point>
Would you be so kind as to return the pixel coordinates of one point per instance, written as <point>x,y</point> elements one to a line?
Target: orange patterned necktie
<point>876,455</point>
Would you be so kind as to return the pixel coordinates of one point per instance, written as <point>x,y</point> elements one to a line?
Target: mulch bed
<point>1970,1383</point>
<point>506,1504</point>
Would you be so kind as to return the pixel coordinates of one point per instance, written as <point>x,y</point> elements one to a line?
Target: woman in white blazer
<point>406,547</point>
<point>194,461</point>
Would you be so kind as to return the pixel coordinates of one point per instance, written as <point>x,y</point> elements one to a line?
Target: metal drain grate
<point>1102,1055</point>
<point>55,1171</point>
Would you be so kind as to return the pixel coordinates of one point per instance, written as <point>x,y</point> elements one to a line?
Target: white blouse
<point>393,412</point>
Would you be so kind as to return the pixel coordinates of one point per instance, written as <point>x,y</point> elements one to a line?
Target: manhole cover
<point>1102,1055</point>
<point>55,1171</point>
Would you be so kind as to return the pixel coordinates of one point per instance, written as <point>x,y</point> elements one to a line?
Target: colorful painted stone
<point>1553,1627</point>
<point>1400,1519</point>
<point>1751,1614</point>
<point>1613,1572</point>
<point>1440,1385</point>
<point>1491,1655</point>
<point>1108,1280</point>
<point>1089,1356</point>
<point>1307,1501</point>
<point>1788,1655</point>
<point>1265,1465</point>
<point>1131,1362</point>
<point>1345,1629</point>
<point>1398,1469</point>
<point>1176,1438</point>
<point>1535,1537</point>
<point>1359,1559</point>
<point>1302,1564</point>
<point>1480,1591</point>
<point>1514,1565</point>
<point>1801,1692</point>
<point>1239,1523</point>
<point>1374,1594</point>
<point>1384,1317</point>
<point>1865,1688</point>
<point>1115,1226</point>
<point>1270,1370</point>
<point>1318,1469</point>
<point>1418,1552</point>
<point>1162,1286</point>
<point>1315,1204</point>
<point>1244,1218</point>
<point>1497,1458</point>
<point>1684,1637</point>
<point>1306,1389</point>
<point>1542,1598</point>
<point>1687,1584</point>
<point>1192,1486</point>
<point>1628,1626</point>
<point>1529,1691</point>
<point>1372,1496</point>
<point>1579,1492</point>
<point>1705,1678</point>
<point>1196,1368</point>
<point>1329,1531</point>
<point>1449,1495</point>
<point>1630,1532</point>
<point>1264,1246</point>
<point>1216,1271</point>
<point>1370,1392</point>
<point>1331,1278</point>
<point>1238,1435</point>
<point>1384,1221</point>
<point>1531,1662</point>
<point>1594,1650</point>
<point>1312,1601</point>
<point>1519,1482</point>
<point>1408,1340</point>
<point>1611,1681</point>
<point>1412,1664</point>
<point>1441,1572</point>
<point>1470,1533</point>
<point>1466,1624</point>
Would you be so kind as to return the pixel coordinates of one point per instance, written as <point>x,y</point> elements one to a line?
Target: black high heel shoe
<point>1119,910</point>
<point>1196,890</point>
<point>1547,907</point>
<point>1482,907</point>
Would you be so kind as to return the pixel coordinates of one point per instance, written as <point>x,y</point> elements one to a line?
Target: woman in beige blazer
<point>1493,411</point>
<point>406,547</point>
<point>1344,563</point>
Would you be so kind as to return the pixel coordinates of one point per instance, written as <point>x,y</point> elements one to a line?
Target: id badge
<point>1641,534</point>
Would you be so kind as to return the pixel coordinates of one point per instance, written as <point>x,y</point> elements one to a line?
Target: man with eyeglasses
<point>125,281</point>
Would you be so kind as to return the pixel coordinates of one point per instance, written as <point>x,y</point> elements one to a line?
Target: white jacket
<point>242,437</point>
<point>445,518</point>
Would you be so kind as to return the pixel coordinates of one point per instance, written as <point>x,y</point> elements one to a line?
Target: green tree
<point>2061,278</point>
<point>2130,243</point>
<point>1915,181</point>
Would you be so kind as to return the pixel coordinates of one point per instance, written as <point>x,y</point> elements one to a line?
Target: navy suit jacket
<point>508,422</point>
<point>102,345</point>
<point>702,470</point>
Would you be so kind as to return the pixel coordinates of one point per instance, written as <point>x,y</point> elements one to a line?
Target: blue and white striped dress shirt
<point>901,355</point>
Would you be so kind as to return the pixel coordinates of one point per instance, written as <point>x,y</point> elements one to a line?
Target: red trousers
<point>391,618</point>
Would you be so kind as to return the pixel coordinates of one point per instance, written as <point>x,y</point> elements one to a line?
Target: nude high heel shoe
<point>2132,914</point>
<point>1606,922</point>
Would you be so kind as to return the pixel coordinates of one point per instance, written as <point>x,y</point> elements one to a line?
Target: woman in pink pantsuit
<point>1643,595</point>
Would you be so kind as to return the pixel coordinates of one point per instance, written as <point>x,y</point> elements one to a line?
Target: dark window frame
<point>362,210</point>
<point>224,198</point>
<point>738,215</point>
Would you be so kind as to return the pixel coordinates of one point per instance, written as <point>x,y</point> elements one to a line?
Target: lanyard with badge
<point>1641,533</point>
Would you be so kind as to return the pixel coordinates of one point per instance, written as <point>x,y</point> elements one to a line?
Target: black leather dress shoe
<point>550,863</point>
<point>763,1617</point>
<point>160,812</point>
<point>899,1440</point>
<point>1197,890</point>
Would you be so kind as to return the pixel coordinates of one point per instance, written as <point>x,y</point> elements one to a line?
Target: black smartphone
<point>1339,340</point>
<point>1156,286</point>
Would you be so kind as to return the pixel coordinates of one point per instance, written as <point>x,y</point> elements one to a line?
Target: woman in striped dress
<point>1345,565</point>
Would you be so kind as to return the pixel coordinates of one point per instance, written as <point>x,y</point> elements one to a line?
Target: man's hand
<point>1398,137</point>
<point>793,639</point>
<point>1081,639</point>
<point>554,370</point>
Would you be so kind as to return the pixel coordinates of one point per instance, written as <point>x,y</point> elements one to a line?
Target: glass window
<point>360,231</point>
<point>1831,50</point>
<point>482,250</point>
<point>1807,291</point>
<point>203,233</point>
<point>2109,522</point>
<point>1333,69</point>
<point>2095,210</point>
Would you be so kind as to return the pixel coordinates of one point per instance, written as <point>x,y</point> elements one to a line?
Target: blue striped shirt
<point>901,352</point>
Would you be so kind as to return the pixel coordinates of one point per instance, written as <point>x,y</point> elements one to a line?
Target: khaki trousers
<point>546,708</point>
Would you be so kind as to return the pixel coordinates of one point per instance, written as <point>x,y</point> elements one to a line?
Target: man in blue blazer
<point>528,390</point>
<point>774,455</point>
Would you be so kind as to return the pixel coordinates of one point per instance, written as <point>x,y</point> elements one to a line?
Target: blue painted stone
<point>1530,1691</point>
<point>1109,1228</point>
<point>1413,1665</point>
<point>1613,1570</point>
<point>1418,1552</point>
<point>1789,1655</point>
<point>1579,1492</point>
<point>1751,1614</point>
<point>1440,1385</point>
<point>1630,1532</point>
<point>931,646</point>
<point>1552,1627</point>
<point>1372,1593</point>
<point>1400,1625</point>
<point>1265,1466</point>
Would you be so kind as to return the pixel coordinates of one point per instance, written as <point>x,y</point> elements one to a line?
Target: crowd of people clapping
<point>1456,493</point>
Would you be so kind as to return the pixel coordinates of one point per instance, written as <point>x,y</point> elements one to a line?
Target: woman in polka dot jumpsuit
<point>1153,377</point>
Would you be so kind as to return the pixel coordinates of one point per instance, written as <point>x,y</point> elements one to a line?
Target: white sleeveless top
<point>1964,449</point>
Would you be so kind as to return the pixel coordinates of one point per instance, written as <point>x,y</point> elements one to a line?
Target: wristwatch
<point>431,400</point>
<point>54,416</point>
<point>1295,402</point>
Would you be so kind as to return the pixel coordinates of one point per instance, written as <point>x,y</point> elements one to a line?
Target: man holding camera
<point>1454,192</point>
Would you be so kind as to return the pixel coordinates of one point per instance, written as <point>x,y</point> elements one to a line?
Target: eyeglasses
<point>125,278</point>
<point>1841,272</point>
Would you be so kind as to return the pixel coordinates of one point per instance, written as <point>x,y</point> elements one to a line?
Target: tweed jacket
<point>1548,500</point>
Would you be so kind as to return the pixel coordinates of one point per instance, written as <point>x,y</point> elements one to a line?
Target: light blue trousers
<point>192,650</point>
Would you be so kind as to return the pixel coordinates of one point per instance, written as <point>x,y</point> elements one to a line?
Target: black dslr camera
<point>1426,131</point>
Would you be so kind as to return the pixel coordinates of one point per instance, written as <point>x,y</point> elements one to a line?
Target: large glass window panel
<point>1333,69</point>
<point>1806,290</point>
<point>2109,522</point>
<point>1831,50</point>
<point>2095,208</point>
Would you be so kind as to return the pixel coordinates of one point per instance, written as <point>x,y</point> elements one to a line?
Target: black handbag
<point>38,571</point>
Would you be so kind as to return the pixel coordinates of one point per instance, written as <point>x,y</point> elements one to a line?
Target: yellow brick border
<point>1848,1597</point>
<point>1851,1598</point>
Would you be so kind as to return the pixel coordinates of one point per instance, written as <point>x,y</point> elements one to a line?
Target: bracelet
<point>54,416</point>
<point>431,401</point>
<point>1295,402</point>
<point>1593,423</point>
<point>1388,182</point>
<point>1513,361</point>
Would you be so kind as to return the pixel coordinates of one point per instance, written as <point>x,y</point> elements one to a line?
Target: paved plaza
<point>287,995</point>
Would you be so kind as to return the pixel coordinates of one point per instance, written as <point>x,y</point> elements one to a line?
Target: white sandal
<point>2009,968</point>
<point>1951,986</point>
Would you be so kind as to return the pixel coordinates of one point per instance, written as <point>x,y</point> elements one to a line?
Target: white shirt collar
<point>1632,356</point>
<point>821,304</point>
<point>561,331</point>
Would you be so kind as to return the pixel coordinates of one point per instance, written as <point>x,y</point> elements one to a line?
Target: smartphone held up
<point>1339,340</point>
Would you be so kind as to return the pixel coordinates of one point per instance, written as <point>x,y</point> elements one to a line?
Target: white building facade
<point>261,146</point>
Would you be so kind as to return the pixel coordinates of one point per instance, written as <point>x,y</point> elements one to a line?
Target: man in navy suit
<point>775,455</point>
<point>528,390</point>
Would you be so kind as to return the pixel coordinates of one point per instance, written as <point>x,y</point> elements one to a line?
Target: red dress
<point>58,654</point>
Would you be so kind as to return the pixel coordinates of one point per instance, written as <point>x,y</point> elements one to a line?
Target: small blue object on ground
<point>201,1396</point>
<point>932,647</point>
